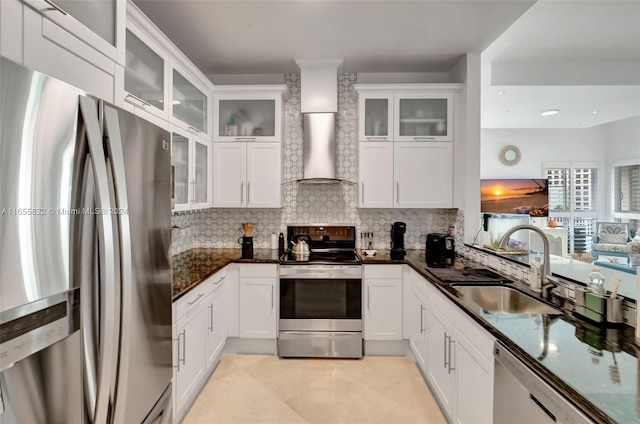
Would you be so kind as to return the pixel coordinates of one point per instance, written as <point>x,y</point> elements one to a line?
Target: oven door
<point>320,311</point>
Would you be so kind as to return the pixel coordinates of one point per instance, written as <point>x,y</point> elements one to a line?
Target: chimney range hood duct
<point>319,148</point>
<point>319,103</point>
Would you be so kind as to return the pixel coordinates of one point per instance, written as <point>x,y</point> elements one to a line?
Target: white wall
<point>466,148</point>
<point>622,144</point>
<point>538,146</point>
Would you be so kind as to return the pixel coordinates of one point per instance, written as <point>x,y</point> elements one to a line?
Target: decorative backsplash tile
<point>314,203</point>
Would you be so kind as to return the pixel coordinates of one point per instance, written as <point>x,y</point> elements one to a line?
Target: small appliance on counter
<point>397,240</point>
<point>440,250</point>
<point>247,240</point>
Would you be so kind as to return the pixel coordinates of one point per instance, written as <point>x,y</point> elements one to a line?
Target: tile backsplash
<point>313,203</point>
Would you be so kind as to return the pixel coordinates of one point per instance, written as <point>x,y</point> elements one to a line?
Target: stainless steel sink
<point>505,300</point>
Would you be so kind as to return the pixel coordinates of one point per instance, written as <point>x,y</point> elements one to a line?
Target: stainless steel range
<point>321,294</point>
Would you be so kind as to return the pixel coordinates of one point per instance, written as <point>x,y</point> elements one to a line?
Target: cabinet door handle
<point>55,7</point>
<point>423,138</point>
<point>368,297</point>
<point>398,192</point>
<point>178,340</point>
<point>128,98</point>
<point>195,300</point>
<point>241,193</point>
<point>210,328</point>
<point>444,356</point>
<point>422,308</point>
<point>271,297</point>
<point>194,130</point>
<point>219,281</point>
<point>248,192</point>
<point>377,138</point>
<point>362,189</point>
<point>245,139</point>
<point>193,191</point>
<point>452,345</point>
<point>184,347</point>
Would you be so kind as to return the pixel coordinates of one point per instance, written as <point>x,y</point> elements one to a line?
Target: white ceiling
<point>262,37</point>
<point>577,56</point>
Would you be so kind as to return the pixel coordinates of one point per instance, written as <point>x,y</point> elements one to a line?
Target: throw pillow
<point>612,238</point>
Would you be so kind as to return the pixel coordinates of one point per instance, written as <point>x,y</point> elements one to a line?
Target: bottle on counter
<point>281,244</point>
<point>596,282</point>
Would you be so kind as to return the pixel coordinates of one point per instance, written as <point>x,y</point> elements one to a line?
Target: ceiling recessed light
<point>505,111</point>
<point>584,125</point>
<point>501,92</point>
<point>595,111</point>
<point>549,112</point>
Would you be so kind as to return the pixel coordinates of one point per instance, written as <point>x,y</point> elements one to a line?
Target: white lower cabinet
<point>189,346</point>
<point>459,361</point>
<point>417,319</point>
<point>258,301</point>
<point>474,384</point>
<point>441,359</point>
<point>383,302</point>
<point>215,308</point>
<point>199,336</point>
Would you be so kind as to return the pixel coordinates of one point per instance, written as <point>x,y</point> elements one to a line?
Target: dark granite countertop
<point>192,267</point>
<point>595,367</point>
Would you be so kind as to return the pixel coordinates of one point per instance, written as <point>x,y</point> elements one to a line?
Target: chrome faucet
<point>548,281</point>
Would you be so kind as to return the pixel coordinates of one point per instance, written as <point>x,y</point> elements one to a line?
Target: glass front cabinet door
<point>242,115</point>
<point>189,104</point>
<point>376,117</point>
<point>423,117</point>
<point>145,74</point>
<point>191,168</point>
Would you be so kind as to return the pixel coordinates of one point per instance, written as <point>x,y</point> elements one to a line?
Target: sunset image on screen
<point>515,196</point>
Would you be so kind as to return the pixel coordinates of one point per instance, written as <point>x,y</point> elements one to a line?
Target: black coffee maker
<point>247,247</point>
<point>397,240</point>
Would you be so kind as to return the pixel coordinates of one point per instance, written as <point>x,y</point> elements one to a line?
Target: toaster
<point>440,250</point>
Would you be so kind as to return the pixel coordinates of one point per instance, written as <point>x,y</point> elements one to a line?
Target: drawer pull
<point>195,300</point>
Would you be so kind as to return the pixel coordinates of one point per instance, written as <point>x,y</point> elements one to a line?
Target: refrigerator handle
<point>108,280</point>
<point>121,212</point>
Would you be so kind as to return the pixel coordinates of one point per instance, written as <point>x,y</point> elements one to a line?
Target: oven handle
<point>321,276</point>
<point>322,334</point>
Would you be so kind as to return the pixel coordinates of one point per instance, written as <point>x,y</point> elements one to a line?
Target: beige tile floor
<point>266,389</point>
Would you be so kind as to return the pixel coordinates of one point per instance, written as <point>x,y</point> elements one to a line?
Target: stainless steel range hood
<point>319,104</point>
<point>319,148</point>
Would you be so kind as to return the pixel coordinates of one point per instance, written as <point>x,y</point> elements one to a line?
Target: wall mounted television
<point>515,196</point>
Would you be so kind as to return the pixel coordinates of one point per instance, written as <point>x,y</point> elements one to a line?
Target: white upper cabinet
<point>248,113</point>
<point>191,161</point>
<point>423,174</point>
<point>376,117</point>
<point>189,103</point>
<point>98,23</point>
<point>60,46</point>
<point>423,116</point>
<point>375,175</point>
<point>406,112</point>
<point>247,175</point>
<point>145,74</point>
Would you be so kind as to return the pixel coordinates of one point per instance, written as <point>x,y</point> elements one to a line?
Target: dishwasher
<point>520,396</point>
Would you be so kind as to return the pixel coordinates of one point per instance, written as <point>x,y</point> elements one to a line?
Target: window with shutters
<point>626,193</point>
<point>573,200</point>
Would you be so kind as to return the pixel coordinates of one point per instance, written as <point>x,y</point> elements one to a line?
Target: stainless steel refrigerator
<point>85,274</point>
